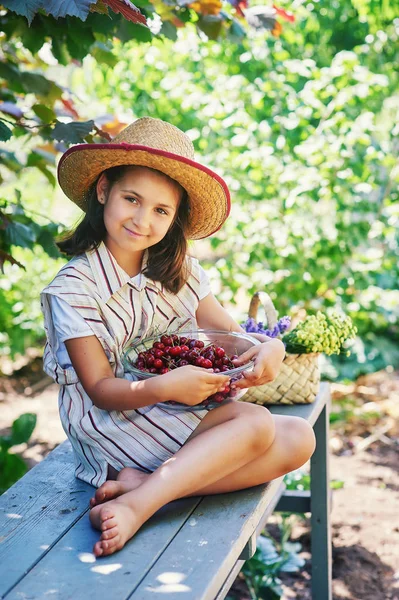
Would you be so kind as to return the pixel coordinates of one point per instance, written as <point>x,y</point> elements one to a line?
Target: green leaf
<point>46,241</point>
<point>18,234</point>
<point>44,113</point>
<point>336,484</point>
<point>24,8</point>
<point>73,8</point>
<point>22,428</point>
<point>267,551</point>
<point>72,133</point>
<point>12,468</point>
<point>168,30</point>
<point>5,132</point>
<point>103,54</point>
<point>292,564</point>
<point>133,31</point>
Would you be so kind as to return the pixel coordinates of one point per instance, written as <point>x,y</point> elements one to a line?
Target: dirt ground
<point>364,456</point>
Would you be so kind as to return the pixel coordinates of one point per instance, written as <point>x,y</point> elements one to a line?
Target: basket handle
<point>271,314</point>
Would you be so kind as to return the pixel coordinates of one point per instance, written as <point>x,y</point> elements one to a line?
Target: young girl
<point>131,277</point>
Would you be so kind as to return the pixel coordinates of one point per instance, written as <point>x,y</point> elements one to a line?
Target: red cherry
<point>183,363</point>
<point>185,348</point>
<point>167,340</point>
<point>164,370</point>
<point>206,363</point>
<point>149,360</point>
<point>158,364</point>
<point>175,351</point>
<point>199,362</point>
<point>159,353</point>
<point>158,345</point>
<point>153,370</point>
<point>218,398</point>
<point>219,352</point>
<point>199,344</point>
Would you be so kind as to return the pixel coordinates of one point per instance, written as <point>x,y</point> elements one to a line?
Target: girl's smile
<point>139,209</point>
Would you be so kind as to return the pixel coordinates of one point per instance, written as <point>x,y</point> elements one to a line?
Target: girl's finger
<point>246,356</point>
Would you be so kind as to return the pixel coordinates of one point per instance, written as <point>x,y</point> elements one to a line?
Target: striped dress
<point>119,311</point>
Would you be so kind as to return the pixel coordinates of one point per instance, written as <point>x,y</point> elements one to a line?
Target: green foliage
<point>270,559</point>
<point>12,467</point>
<point>21,320</point>
<point>19,229</point>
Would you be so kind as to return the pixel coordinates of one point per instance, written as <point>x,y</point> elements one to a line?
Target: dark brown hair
<point>166,260</point>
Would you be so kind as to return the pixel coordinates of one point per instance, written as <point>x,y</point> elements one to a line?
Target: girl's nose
<point>141,218</point>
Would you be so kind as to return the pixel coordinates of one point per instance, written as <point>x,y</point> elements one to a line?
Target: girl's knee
<point>260,427</point>
<point>301,441</point>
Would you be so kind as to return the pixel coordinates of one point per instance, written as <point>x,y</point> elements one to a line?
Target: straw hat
<point>150,143</point>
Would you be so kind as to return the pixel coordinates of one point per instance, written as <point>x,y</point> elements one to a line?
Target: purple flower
<point>284,324</point>
<point>251,326</point>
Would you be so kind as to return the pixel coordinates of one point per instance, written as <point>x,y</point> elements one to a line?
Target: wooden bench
<point>191,549</point>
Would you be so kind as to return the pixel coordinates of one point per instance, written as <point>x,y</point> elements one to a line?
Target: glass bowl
<point>232,342</point>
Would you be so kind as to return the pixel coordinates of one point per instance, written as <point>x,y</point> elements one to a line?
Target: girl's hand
<point>191,385</point>
<point>268,358</point>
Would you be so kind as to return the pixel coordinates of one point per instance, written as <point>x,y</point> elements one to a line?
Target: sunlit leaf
<point>72,133</point>
<point>44,113</point>
<point>22,428</point>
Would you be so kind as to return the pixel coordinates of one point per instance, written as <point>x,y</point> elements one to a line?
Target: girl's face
<point>138,211</point>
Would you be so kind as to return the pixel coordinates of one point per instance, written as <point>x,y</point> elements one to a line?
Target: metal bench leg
<point>320,506</point>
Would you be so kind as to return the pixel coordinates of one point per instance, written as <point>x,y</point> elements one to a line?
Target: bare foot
<point>117,521</point>
<point>127,480</point>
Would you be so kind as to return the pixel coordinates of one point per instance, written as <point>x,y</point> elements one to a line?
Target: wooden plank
<point>224,590</point>
<point>201,556</point>
<point>36,512</point>
<point>71,571</point>
<point>310,412</point>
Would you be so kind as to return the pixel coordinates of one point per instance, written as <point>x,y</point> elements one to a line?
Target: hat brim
<point>208,193</point>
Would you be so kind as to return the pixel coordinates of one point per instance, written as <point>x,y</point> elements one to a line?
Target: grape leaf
<point>72,133</point>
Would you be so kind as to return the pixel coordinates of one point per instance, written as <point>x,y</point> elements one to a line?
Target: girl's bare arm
<point>189,385</point>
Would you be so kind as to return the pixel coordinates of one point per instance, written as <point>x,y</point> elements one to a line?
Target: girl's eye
<point>131,199</point>
<point>162,211</point>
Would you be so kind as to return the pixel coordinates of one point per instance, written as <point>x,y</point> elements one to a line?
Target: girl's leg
<point>240,436</point>
<point>293,445</point>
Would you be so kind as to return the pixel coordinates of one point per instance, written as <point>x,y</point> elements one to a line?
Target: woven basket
<point>299,377</point>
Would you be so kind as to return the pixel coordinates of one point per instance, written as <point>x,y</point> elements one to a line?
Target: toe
<point>97,549</point>
<point>108,534</point>
<point>109,524</point>
<point>111,546</point>
<point>100,495</point>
